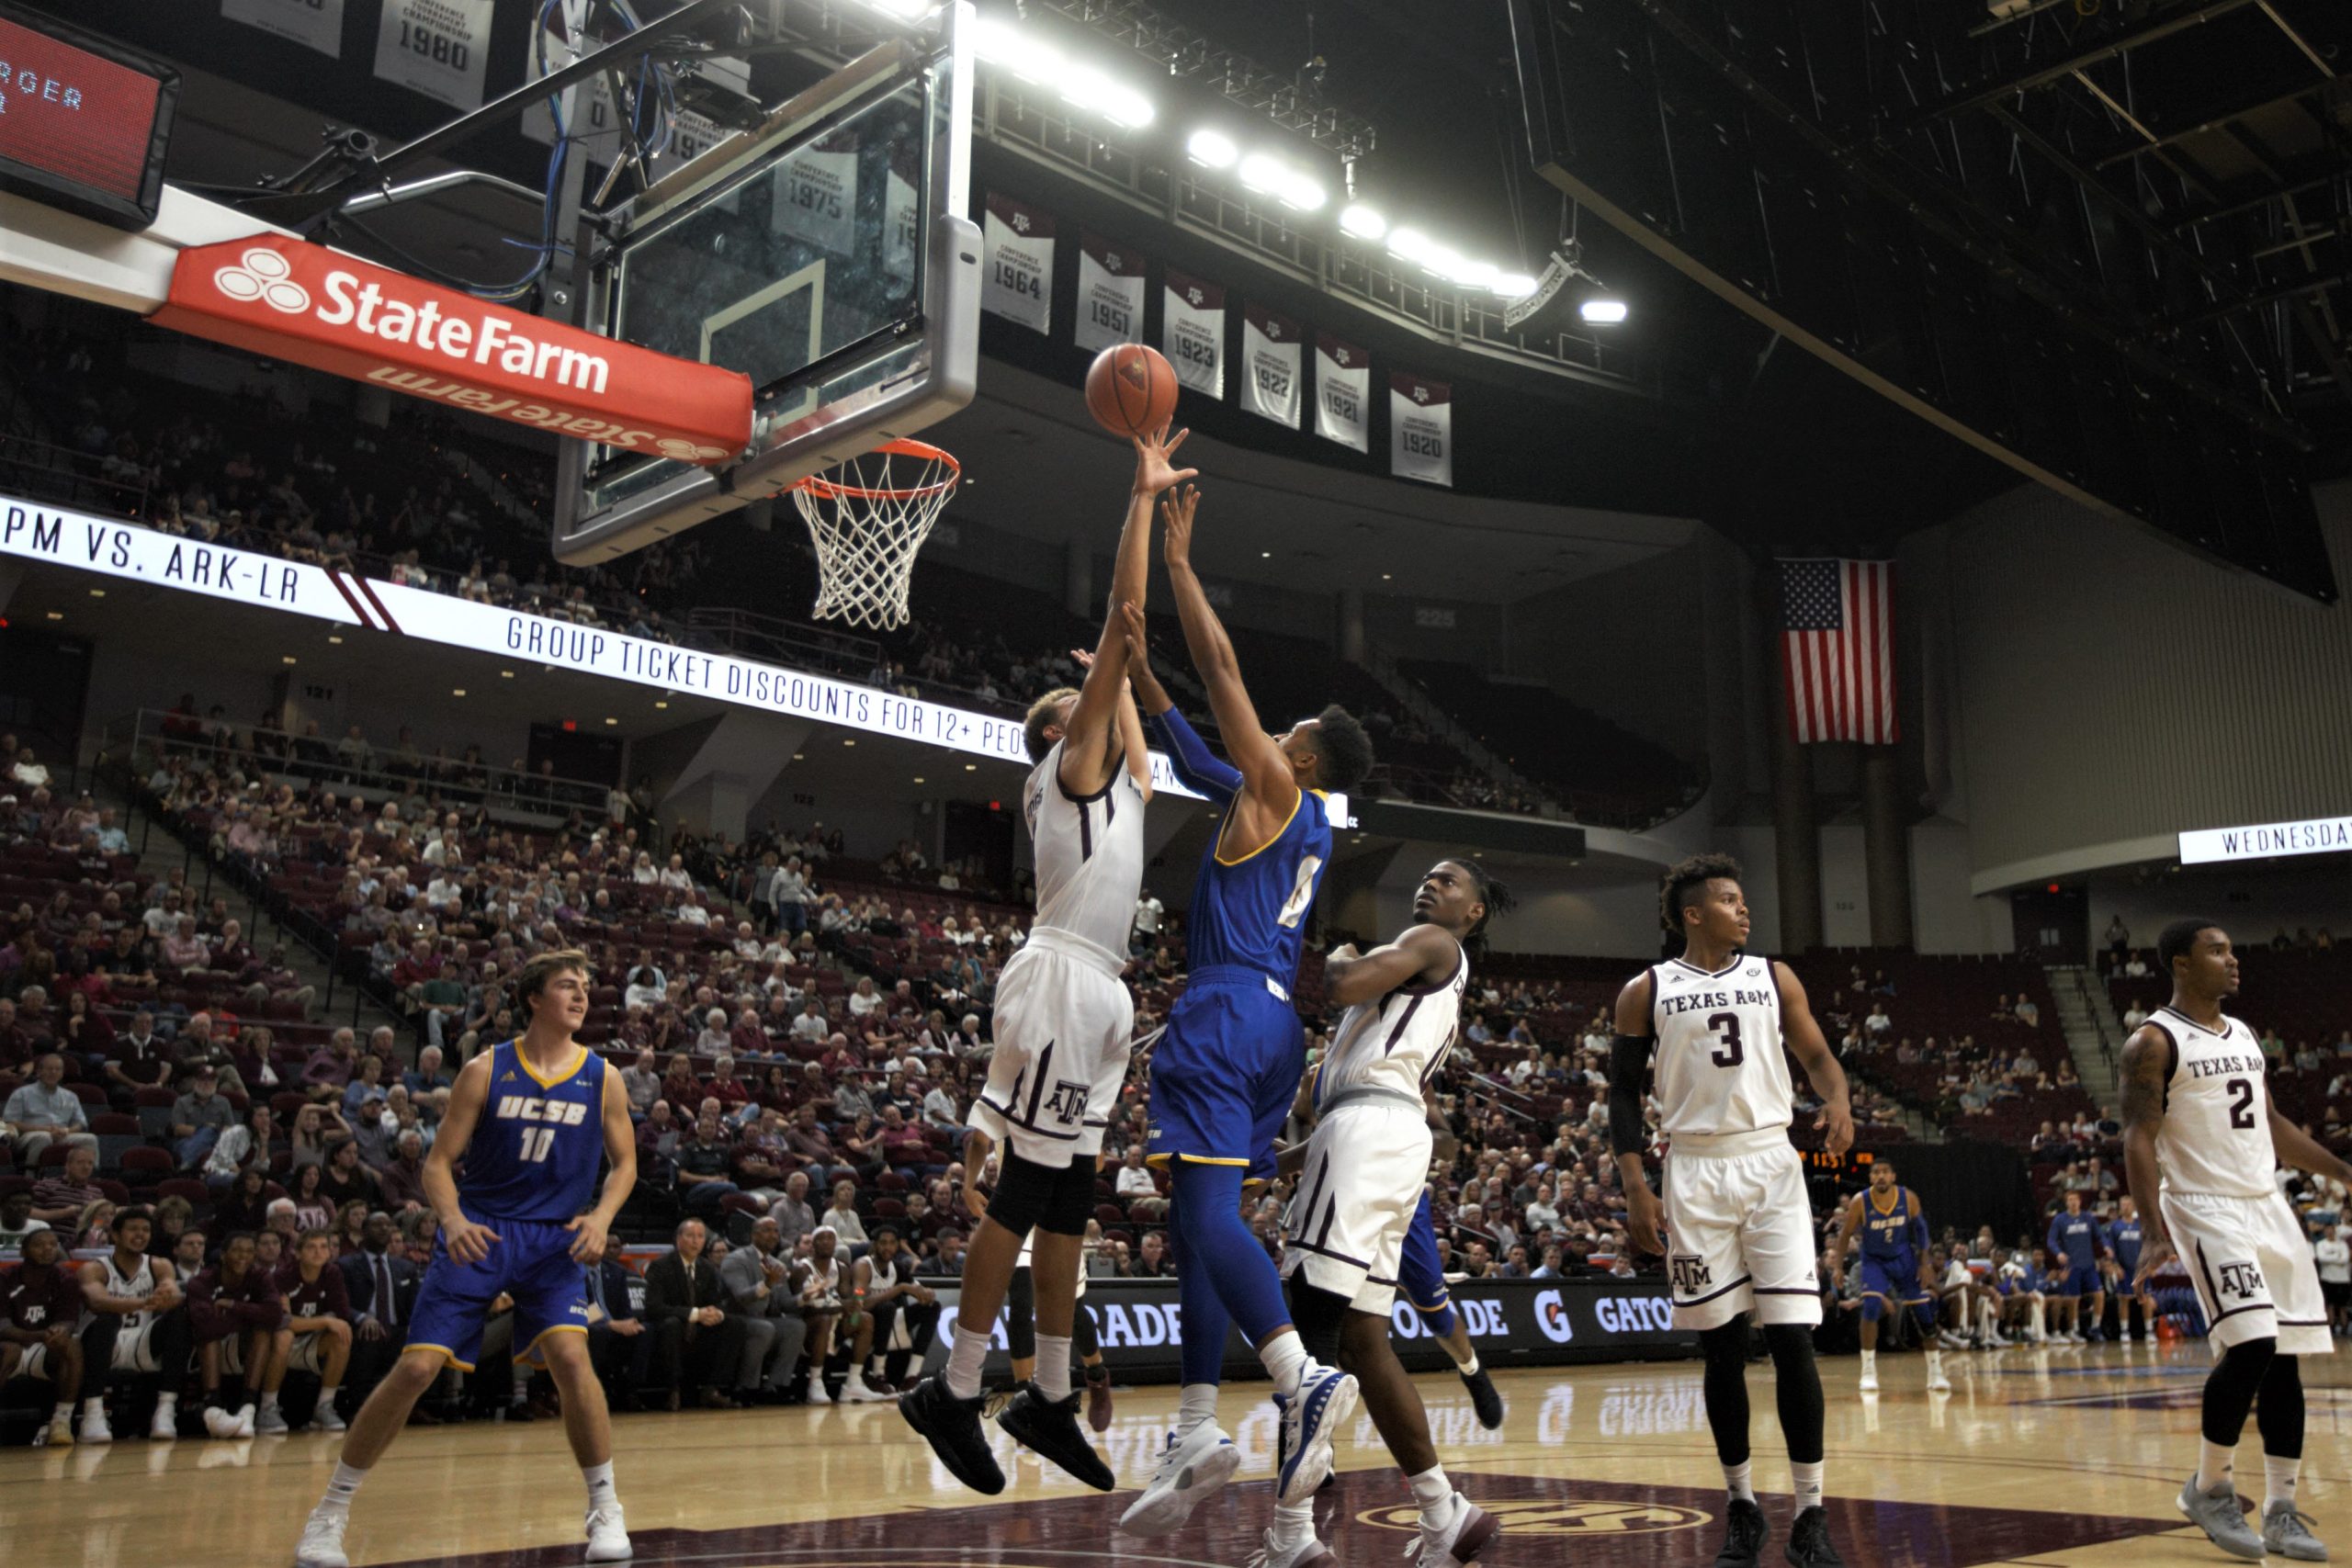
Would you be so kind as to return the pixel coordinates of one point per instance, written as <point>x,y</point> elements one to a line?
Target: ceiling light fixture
<point>1363,223</point>
<point>612,721</point>
<point>457,692</point>
<point>1210,149</point>
<point>97,592</point>
<point>1603,312</point>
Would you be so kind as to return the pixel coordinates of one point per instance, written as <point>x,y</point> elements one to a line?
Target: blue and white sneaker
<point>1326,1398</point>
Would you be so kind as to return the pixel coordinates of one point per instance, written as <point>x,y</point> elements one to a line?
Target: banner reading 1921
<point>1343,393</point>
<point>439,48</point>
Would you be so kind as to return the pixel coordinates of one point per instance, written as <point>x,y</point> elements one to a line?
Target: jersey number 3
<point>1302,894</point>
<point>1726,1027</point>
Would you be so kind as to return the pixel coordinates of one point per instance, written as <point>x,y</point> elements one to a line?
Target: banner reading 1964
<point>1110,294</point>
<point>1269,352</point>
<point>439,48</point>
<point>1018,245</point>
<point>1343,393</point>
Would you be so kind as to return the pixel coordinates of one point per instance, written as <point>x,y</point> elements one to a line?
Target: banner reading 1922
<point>439,48</point>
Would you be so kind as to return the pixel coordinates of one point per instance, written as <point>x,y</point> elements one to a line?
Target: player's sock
<point>599,1478</point>
<point>64,1415</point>
<point>1053,1366</point>
<point>1807,1481</point>
<point>94,1405</point>
<point>1286,1360</point>
<point>1434,1493</point>
<point>2214,1464</point>
<point>326,1394</point>
<point>1195,1405</point>
<point>344,1487</point>
<point>1293,1523</point>
<point>1739,1480</point>
<point>166,1403</point>
<point>1469,1368</point>
<point>269,1402</point>
<point>2278,1478</point>
<point>964,1362</point>
<point>1870,1360</point>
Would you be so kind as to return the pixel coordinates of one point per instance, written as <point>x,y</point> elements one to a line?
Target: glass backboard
<point>827,255</point>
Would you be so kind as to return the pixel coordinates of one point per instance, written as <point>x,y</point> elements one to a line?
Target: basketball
<point>1130,389</point>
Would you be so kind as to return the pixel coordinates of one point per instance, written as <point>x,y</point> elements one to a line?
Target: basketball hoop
<point>867,520</point>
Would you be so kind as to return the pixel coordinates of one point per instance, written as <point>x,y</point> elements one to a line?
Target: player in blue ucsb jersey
<point>511,1177</point>
<point>1222,1076</point>
<point>1894,1229</point>
<point>2078,1245</point>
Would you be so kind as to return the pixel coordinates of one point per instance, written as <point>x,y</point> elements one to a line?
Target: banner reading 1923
<point>1193,333</point>
<point>439,48</point>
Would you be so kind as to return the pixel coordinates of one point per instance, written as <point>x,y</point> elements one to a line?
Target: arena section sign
<point>55,536</point>
<point>286,298</point>
<point>2261,841</point>
<point>1512,1323</point>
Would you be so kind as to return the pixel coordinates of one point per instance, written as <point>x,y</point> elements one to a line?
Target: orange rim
<point>900,447</point>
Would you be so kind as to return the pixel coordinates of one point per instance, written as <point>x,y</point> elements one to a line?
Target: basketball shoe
<point>2285,1533</point>
<point>952,1428</point>
<point>1050,1427</point>
<point>1191,1467</point>
<point>1467,1531</point>
<point>1483,1397</point>
<point>607,1535</point>
<point>1809,1541</point>
<point>1326,1398</point>
<point>321,1542</point>
<point>1744,1534</point>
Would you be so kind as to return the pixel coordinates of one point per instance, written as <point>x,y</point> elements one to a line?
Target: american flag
<point>1837,648</point>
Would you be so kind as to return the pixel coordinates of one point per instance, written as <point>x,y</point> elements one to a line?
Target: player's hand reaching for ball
<point>1837,1120</point>
<point>1176,511</point>
<point>467,1242</point>
<point>1154,473</point>
<point>587,1238</point>
<point>1644,1219</point>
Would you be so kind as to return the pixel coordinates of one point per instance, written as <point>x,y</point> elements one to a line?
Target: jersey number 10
<point>537,1142</point>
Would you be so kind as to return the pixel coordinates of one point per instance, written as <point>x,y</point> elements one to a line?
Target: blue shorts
<point>2082,1281</point>
<point>1224,1075</point>
<point>1420,1278</point>
<point>529,1261</point>
<point>1894,1278</point>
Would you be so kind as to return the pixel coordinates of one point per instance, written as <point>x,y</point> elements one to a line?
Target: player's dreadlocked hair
<point>1344,747</point>
<point>2178,940</point>
<point>1493,893</point>
<point>1687,876</point>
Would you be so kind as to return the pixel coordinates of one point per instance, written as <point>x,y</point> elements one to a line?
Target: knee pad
<point>1072,1202</point>
<point>1026,1192</point>
<point>1873,1308</point>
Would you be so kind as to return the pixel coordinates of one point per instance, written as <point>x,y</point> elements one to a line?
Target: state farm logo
<point>266,275</point>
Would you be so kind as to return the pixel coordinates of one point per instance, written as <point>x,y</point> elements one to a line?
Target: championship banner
<point>1343,393</point>
<point>815,194</point>
<point>286,298</point>
<point>1420,428</point>
<point>439,48</point>
<point>1110,294</point>
<point>1511,1322</point>
<point>314,24</point>
<point>1191,333</point>
<point>1269,362</point>
<point>51,536</point>
<point>1019,282</point>
<point>899,224</point>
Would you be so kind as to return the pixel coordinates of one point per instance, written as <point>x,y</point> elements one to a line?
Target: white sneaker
<point>1191,1468</point>
<point>219,1423</point>
<point>1307,1553</point>
<point>244,1421</point>
<point>1463,1538</point>
<point>324,1420</point>
<point>607,1536</point>
<point>96,1430</point>
<point>1311,1417</point>
<point>1869,1380</point>
<point>854,1390</point>
<point>271,1423</point>
<point>164,1429</point>
<point>817,1395</point>
<point>1937,1382</point>
<point>321,1542</point>
<point>40,1435</point>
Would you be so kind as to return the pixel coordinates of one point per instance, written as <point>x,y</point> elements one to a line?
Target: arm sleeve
<point>1629,1060</point>
<point>1195,763</point>
<point>1920,1240</point>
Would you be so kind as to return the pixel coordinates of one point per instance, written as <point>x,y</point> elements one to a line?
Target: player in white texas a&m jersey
<point>1734,1202</point>
<point>2202,1139</point>
<point>1360,1178</point>
<point>1064,1028</point>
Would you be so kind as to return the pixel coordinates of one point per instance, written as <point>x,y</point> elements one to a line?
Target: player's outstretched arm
<point>1188,754</point>
<point>1629,1063</point>
<point>1267,780</point>
<point>1423,955</point>
<point>2146,1067</point>
<point>1819,1062</point>
<point>1089,753</point>
<point>588,1230</point>
<point>467,1242</point>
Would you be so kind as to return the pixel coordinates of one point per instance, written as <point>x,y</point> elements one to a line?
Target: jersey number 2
<point>1302,894</point>
<point>1727,1028</point>
<point>537,1142</point>
<point>2241,1103</point>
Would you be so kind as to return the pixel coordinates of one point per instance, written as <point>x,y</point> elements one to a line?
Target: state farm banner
<point>1018,284</point>
<point>1420,428</point>
<point>286,298</point>
<point>439,48</point>
<point>1270,366</point>
<point>1343,393</point>
<point>1110,294</point>
<point>314,24</point>
<point>1191,333</point>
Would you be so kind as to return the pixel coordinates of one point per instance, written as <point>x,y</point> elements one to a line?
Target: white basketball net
<point>867,519</point>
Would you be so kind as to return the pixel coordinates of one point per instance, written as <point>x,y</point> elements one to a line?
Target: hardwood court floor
<point>2059,1457</point>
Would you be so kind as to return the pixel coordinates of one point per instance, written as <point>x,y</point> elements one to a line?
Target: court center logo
<point>1587,1516</point>
<point>265,274</point>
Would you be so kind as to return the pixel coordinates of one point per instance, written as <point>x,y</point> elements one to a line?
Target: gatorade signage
<point>287,298</point>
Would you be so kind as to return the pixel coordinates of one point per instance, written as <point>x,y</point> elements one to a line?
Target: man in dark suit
<point>697,1336</point>
<point>618,1342</point>
<point>382,1286</point>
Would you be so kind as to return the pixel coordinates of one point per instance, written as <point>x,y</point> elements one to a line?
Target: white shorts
<point>1367,1164</point>
<point>36,1363</point>
<point>1739,1233</point>
<point>2253,1271</point>
<point>305,1353</point>
<point>134,1345</point>
<point>1064,1032</point>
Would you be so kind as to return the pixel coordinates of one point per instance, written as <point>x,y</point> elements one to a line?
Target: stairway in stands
<point>2094,1035</point>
